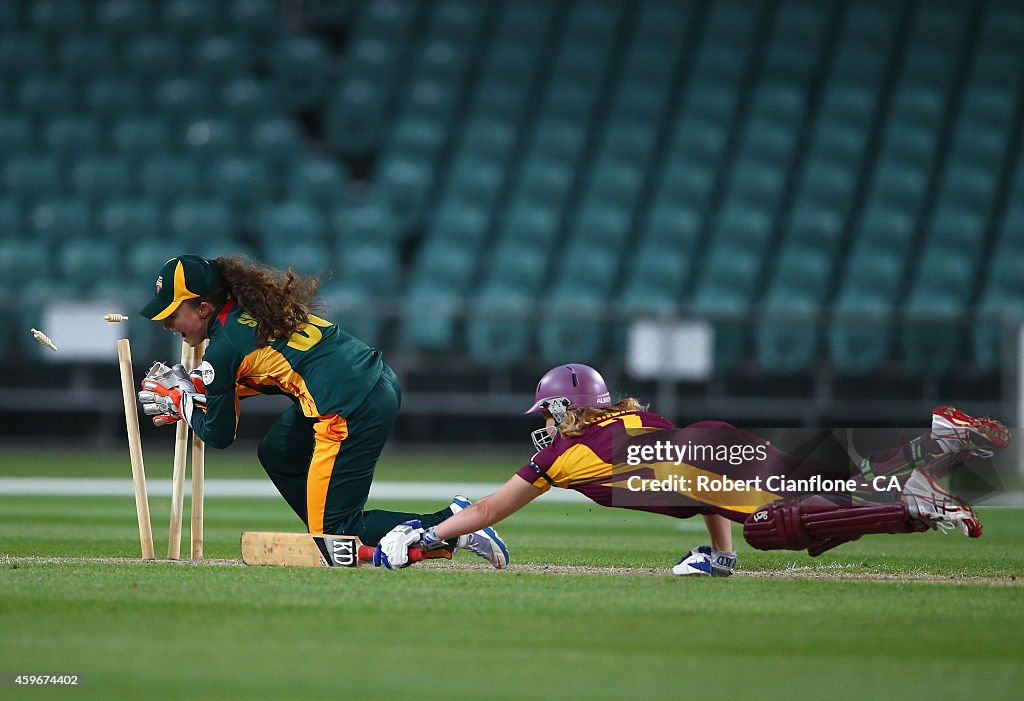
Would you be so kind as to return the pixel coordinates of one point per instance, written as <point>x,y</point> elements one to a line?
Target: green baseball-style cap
<point>181,278</point>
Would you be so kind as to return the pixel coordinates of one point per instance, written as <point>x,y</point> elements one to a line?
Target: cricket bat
<point>315,550</point>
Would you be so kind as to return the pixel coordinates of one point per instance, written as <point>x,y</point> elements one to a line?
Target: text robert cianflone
<point>678,453</point>
<point>776,484</point>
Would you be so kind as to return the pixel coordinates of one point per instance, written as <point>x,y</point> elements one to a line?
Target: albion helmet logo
<point>159,283</point>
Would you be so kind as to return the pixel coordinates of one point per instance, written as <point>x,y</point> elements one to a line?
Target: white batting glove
<point>393,550</point>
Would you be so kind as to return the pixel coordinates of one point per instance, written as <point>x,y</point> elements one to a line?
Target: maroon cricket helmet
<point>580,384</point>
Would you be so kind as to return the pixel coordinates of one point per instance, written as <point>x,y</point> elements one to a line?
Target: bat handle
<point>415,554</point>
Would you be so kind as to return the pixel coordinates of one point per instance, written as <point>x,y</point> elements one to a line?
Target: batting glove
<point>170,396</point>
<point>393,550</point>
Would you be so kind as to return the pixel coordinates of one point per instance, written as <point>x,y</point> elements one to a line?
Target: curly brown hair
<point>579,419</point>
<point>279,300</point>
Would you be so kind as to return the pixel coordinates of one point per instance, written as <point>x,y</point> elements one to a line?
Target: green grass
<point>168,630</point>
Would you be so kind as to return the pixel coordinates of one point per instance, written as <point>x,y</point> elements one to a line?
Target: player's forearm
<point>474,517</point>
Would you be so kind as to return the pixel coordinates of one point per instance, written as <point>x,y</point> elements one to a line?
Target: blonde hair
<point>580,419</point>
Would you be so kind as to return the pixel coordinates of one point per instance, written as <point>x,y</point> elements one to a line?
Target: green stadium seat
<point>498,328</point>
<point>144,257</point>
<point>475,179</point>
<point>127,220</point>
<point>276,141</point>
<point>207,141</point>
<point>124,18</point>
<point>30,178</point>
<point>651,62</point>
<point>166,178</point>
<point>372,265</point>
<point>628,141</point>
<point>355,223</point>
<point>305,257</point>
<point>463,223</point>
<point>934,328</point>
<point>405,187</point>
<point>110,97</point>
<point>429,99</point>
<point>885,228</point>
<point>83,263</point>
<point>155,57</point>
<point>189,20</point>
<point>221,58</point>
<point>672,226</point>
<point>418,139</point>
<point>726,306</point>
<point>591,268</point>
<point>21,55</point>
<point>859,339</point>
<point>546,181</point>
<point>11,16</point>
<point>320,181</point>
<point>531,222</point>
<point>15,135</point>
<point>458,20</point>
<point>1000,311</point>
<point>11,219</point>
<point>742,227</point>
<point>182,99</point>
<point>256,20</point>
<point>241,183</point>
<point>828,185</point>
<point>557,140</point>
<point>430,321</point>
<point>192,220</point>
<point>139,138</point>
<point>571,329</point>
<point>523,22</point>
<point>687,183</point>
<point>786,339</point>
<point>301,71</point>
<point>443,60</point>
<point>353,308</point>
<point>875,271</point>
<point>618,183</point>
<point>99,178</point>
<point>57,18</point>
<point>507,101</point>
<point>658,272</point>
<point>444,264</point>
<point>356,112</point>
<point>956,233</point>
<point>569,99</point>
<point>330,13</point>
<point>389,20</point>
<point>223,247</point>
<point>20,262</point>
<point>602,223</point>
<point>84,56</point>
<point>518,265</point>
<point>71,136</point>
<point>291,221</point>
<point>247,100</point>
<point>60,220</point>
<point>43,96</point>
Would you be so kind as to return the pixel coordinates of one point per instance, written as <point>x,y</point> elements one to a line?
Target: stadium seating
<point>829,184</point>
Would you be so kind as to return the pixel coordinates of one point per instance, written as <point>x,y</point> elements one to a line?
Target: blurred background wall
<point>775,212</point>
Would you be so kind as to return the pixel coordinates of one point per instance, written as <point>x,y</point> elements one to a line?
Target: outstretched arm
<point>510,497</point>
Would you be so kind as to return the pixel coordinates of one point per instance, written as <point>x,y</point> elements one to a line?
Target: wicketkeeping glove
<point>169,394</point>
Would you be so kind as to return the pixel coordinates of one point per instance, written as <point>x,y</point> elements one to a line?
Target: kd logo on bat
<point>343,552</point>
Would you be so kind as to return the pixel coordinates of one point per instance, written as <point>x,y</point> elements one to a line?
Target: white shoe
<point>705,562</point>
<point>486,542</point>
<point>931,504</point>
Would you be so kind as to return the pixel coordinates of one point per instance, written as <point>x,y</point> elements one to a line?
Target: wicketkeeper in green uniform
<point>263,339</point>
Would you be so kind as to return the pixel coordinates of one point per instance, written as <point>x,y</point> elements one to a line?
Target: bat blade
<point>314,550</point>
